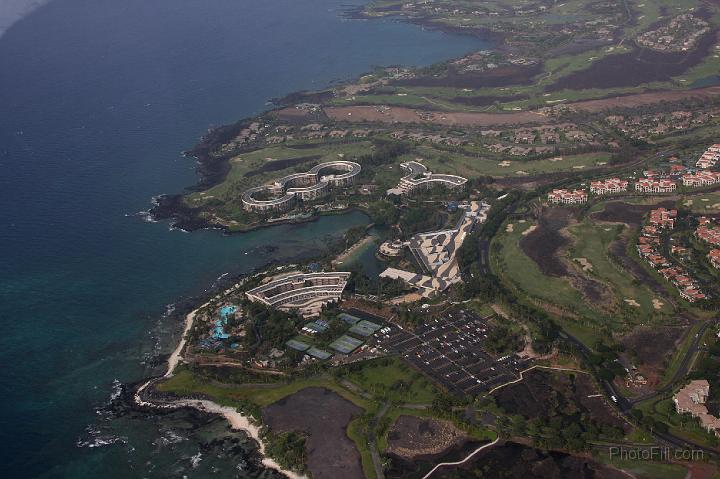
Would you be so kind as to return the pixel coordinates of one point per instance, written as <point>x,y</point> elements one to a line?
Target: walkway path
<point>458,463</point>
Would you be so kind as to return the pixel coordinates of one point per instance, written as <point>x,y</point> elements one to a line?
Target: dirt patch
<point>635,68</point>
<point>408,115</point>
<point>412,436</point>
<point>323,415</point>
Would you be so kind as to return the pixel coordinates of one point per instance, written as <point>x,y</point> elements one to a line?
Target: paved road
<point>624,405</point>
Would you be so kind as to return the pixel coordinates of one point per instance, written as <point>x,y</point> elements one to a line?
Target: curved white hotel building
<point>282,194</point>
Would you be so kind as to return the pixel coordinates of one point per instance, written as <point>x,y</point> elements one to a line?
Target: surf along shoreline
<point>145,398</point>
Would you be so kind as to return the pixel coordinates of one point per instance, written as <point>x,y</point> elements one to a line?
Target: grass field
<point>523,274</point>
<point>396,382</point>
<point>591,242</point>
<point>703,203</point>
<point>238,179</point>
<point>469,166</point>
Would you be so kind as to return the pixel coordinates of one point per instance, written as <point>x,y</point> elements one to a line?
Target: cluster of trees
<point>288,449</point>
<point>269,328</point>
<point>605,360</point>
<point>504,339</point>
<point>564,432</point>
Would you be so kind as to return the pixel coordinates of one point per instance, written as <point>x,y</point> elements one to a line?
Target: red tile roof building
<point>709,158</point>
<point>714,257</point>
<point>611,185</point>
<point>663,218</point>
<point>650,185</point>
<point>701,178</point>
<point>709,234</point>
<point>568,197</point>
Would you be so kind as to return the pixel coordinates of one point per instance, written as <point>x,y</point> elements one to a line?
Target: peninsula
<point>543,254</point>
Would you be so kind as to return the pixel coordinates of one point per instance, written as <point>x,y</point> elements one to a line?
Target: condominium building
<point>611,185</point>
<point>701,178</point>
<point>652,185</point>
<point>567,197</point>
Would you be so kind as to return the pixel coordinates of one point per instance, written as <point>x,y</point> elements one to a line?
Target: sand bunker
<point>586,265</point>
<point>521,172</point>
<point>688,203</point>
<point>504,163</point>
<point>509,228</point>
<point>578,167</point>
<point>657,304</point>
<point>632,302</point>
<point>529,230</point>
<point>557,158</point>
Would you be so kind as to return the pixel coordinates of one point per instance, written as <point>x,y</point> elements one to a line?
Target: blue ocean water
<point>97,100</point>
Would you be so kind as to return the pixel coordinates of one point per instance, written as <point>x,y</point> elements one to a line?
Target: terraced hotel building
<point>305,292</point>
<point>419,177</point>
<point>284,193</point>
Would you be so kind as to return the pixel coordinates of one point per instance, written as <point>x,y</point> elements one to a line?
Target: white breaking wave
<point>11,11</point>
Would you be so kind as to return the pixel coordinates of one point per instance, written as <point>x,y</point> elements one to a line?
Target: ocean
<point>98,98</point>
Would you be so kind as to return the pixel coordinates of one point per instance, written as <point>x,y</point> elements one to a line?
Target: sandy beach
<point>237,420</point>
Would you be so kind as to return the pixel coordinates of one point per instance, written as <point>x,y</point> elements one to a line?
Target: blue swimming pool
<point>225,311</point>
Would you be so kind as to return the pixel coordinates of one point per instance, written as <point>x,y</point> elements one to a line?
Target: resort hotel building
<point>284,193</point>
<point>304,292</point>
<point>419,177</point>
<point>567,197</point>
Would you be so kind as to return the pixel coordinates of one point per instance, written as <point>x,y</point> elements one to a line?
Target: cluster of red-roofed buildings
<point>701,178</point>
<point>568,197</point>
<point>706,232</point>
<point>649,247</point>
<point>655,185</point>
<point>651,182</point>
<point>709,158</point>
<point>611,185</point>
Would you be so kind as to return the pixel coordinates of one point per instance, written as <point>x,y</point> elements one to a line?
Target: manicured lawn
<point>396,382</point>
<point>510,262</point>
<point>237,181</point>
<point>444,162</point>
<point>591,243</point>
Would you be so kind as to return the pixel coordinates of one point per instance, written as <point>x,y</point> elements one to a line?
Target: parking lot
<point>450,350</point>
